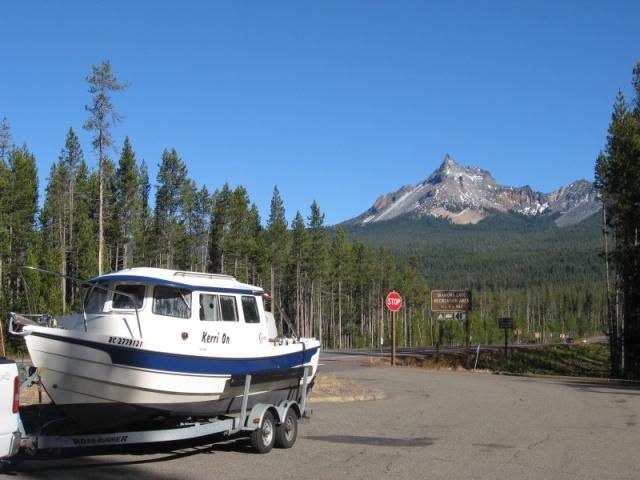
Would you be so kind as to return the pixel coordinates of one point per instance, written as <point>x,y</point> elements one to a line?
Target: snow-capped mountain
<point>468,194</point>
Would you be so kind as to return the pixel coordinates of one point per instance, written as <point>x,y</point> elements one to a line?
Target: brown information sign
<point>506,323</point>
<point>451,300</point>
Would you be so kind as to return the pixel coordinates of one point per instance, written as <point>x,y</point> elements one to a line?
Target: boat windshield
<point>133,299</point>
<point>95,300</point>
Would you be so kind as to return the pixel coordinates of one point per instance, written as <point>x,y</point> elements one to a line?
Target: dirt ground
<point>33,395</point>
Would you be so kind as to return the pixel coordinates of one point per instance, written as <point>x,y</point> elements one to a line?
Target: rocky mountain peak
<point>468,194</point>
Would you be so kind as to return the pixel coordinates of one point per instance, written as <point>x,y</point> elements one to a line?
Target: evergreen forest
<point>331,282</point>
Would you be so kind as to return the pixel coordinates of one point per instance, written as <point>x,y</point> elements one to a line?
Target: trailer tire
<point>264,437</point>
<point>287,431</point>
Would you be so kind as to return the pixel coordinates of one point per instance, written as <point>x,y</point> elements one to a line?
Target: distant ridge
<point>467,195</point>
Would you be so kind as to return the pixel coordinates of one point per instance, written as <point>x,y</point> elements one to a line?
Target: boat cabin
<point>151,298</point>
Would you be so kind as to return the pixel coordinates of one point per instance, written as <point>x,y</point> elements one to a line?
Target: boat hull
<point>97,384</point>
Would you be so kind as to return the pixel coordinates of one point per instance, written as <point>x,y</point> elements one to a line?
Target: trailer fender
<point>254,419</point>
<point>285,405</point>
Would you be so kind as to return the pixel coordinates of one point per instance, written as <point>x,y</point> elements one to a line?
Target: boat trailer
<point>267,425</point>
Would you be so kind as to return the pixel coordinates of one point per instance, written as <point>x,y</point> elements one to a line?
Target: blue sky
<point>333,101</point>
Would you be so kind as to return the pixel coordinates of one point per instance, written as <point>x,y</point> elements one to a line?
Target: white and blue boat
<point>152,343</point>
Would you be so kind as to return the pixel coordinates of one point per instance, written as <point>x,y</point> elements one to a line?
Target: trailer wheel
<point>263,438</point>
<point>287,431</point>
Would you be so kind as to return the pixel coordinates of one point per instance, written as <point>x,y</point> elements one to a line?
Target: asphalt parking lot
<point>430,424</point>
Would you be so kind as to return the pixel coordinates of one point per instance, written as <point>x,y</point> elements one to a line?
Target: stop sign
<point>394,301</point>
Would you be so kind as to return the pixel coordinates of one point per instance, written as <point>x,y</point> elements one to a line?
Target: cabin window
<point>209,308</point>
<point>126,302</point>
<point>218,307</point>
<point>250,309</point>
<point>95,300</point>
<point>228,308</point>
<point>172,302</point>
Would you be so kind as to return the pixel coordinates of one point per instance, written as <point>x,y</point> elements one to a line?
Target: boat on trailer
<point>153,343</point>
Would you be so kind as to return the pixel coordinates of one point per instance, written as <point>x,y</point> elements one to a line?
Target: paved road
<point>432,424</point>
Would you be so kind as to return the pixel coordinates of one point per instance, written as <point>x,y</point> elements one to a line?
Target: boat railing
<point>91,285</point>
<point>208,276</point>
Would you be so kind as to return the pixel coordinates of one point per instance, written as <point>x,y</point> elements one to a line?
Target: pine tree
<point>5,195</point>
<point>102,118</point>
<point>128,204</point>
<point>172,183</point>
<point>198,220</point>
<point>23,206</point>
<point>618,179</point>
<point>364,266</point>
<point>184,257</point>
<point>53,236</point>
<point>233,245</point>
<point>5,139</point>
<point>5,147</point>
<point>318,267</point>
<point>298,277</point>
<point>240,235</point>
<point>109,219</point>
<point>219,228</point>
<point>277,237</point>
<point>341,276</point>
<point>144,243</point>
<point>259,251</point>
<point>84,250</point>
<point>71,163</point>
<point>52,218</point>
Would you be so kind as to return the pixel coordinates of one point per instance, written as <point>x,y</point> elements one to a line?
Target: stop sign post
<point>394,303</point>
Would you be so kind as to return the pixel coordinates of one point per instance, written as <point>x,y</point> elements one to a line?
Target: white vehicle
<point>152,343</point>
<point>9,402</point>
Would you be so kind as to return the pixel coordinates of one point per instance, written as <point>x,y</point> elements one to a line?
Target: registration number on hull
<point>126,342</point>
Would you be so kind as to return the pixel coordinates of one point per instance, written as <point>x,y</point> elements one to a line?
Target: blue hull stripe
<point>171,363</point>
